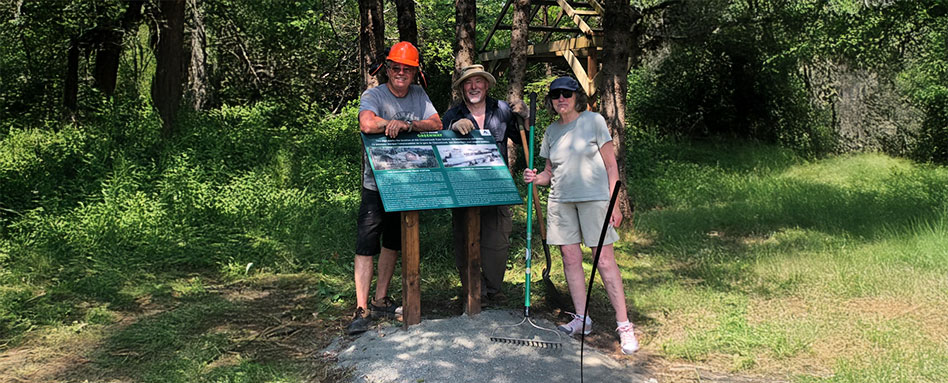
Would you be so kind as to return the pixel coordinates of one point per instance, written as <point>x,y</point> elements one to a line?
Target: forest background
<point>123,181</point>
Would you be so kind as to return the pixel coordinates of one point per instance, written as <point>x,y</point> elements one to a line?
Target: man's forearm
<point>427,125</point>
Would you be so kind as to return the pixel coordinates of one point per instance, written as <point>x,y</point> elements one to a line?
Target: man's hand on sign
<point>396,126</point>
<point>462,126</point>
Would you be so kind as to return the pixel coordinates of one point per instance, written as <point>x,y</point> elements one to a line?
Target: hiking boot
<point>576,325</point>
<point>387,308</point>
<point>627,339</point>
<point>359,324</point>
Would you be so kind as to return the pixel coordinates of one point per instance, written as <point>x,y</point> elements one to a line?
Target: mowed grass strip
<point>827,270</point>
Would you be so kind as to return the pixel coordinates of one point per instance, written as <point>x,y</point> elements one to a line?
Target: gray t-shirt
<point>579,174</point>
<point>414,106</point>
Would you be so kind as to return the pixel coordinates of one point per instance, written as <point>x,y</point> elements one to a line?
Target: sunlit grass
<point>832,269</point>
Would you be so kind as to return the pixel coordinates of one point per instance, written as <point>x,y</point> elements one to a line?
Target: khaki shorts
<point>575,222</point>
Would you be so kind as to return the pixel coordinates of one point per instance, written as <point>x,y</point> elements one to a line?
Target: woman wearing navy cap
<point>582,172</point>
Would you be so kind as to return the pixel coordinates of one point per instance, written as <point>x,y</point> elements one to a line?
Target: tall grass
<point>239,186</point>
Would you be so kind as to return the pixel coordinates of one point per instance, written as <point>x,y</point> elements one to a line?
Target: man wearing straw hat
<point>479,111</point>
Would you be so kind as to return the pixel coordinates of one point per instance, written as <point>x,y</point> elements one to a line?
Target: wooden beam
<point>579,71</point>
<point>553,48</point>
<point>548,29</point>
<point>585,12</point>
<point>411,259</point>
<point>573,44</point>
<point>597,6</point>
<point>500,18</point>
<point>576,18</point>
<point>592,69</point>
<point>472,260</point>
<point>556,3</point>
<point>559,17</point>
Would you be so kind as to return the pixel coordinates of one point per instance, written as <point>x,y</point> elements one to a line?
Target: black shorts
<point>375,222</point>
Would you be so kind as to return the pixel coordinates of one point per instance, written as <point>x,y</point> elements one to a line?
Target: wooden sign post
<point>411,259</point>
<point>471,274</point>
<point>411,262</point>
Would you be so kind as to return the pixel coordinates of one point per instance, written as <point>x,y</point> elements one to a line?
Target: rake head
<point>527,342</point>
<point>527,325</point>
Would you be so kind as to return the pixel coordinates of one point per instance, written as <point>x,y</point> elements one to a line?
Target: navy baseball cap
<point>564,83</point>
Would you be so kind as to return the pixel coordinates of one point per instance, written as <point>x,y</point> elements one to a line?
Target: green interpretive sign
<point>441,169</point>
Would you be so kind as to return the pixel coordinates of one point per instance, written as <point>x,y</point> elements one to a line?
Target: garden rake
<point>537,339</point>
<point>553,295</point>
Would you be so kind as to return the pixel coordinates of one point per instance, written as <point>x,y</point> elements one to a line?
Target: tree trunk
<point>168,83</point>
<point>109,51</point>
<point>197,70</point>
<point>617,25</point>
<point>517,72</point>
<point>518,50</point>
<point>407,28</point>
<point>371,40</point>
<point>71,84</point>
<point>465,16</point>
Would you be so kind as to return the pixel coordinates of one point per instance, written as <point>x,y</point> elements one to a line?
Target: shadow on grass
<point>259,331</point>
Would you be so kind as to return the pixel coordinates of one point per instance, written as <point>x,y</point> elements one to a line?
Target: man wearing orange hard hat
<point>393,107</point>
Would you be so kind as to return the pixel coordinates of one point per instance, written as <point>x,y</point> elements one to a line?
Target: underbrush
<point>87,210</point>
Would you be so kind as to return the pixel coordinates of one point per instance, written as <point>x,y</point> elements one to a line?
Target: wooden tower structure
<point>576,27</point>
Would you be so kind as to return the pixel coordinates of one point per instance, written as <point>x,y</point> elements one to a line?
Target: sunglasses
<point>401,68</point>
<point>556,93</point>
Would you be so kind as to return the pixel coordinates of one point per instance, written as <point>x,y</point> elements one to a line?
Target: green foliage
<point>738,80</point>
<point>240,185</point>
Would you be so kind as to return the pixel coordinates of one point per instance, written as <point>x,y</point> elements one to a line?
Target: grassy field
<point>831,270</point>
<point>745,260</point>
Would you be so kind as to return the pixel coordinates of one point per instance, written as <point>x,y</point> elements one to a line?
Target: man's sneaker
<point>576,325</point>
<point>387,308</point>
<point>627,339</point>
<point>360,322</point>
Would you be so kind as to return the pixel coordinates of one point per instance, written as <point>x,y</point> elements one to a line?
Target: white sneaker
<point>576,325</point>
<point>627,339</point>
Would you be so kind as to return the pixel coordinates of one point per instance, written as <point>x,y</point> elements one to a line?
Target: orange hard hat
<point>403,53</point>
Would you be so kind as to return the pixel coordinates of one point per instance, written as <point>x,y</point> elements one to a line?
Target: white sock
<point>622,324</point>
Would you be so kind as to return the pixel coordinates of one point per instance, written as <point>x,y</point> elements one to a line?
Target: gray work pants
<point>495,243</point>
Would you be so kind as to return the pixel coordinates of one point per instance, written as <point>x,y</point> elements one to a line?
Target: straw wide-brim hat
<point>474,70</point>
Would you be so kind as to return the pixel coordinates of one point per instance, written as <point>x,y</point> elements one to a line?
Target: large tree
<point>624,43</point>
<point>518,50</point>
<point>371,40</point>
<point>518,60</point>
<point>465,16</point>
<point>110,45</point>
<point>618,21</point>
<point>197,69</point>
<point>167,86</point>
<point>407,26</point>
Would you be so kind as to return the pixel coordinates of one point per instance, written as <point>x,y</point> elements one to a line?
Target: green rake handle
<point>527,272</point>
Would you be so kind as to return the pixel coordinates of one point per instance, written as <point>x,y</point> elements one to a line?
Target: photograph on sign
<point>403,157</point>
<point>470,155</point>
